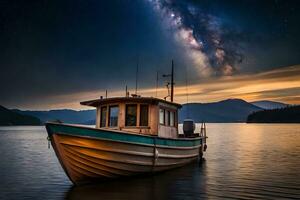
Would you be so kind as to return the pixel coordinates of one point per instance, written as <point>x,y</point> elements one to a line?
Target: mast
<point>156,83</point>
<point>172,81</point>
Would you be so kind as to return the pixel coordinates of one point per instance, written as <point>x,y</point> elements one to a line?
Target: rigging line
<point>187,91</point>
<point>136,75</point>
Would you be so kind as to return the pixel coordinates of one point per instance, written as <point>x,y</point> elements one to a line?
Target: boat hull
<point>89,154</point>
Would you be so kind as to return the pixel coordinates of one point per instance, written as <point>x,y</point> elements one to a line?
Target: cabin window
<point>161,116</point>
<point>103,116</point>
<point>131,111</point>
<point>144,115</point>
<point>172,118</point>
<point>167,118</point>
<point>113,115</point>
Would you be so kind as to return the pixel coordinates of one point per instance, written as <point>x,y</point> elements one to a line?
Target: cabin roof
<point>150,100</point>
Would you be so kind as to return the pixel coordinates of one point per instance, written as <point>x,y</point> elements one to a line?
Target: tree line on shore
<point>289,114</point>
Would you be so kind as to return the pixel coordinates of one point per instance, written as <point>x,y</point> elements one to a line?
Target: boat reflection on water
<point>187,181</point>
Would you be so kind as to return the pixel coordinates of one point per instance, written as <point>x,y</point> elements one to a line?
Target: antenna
<point>136,75</point>
<point>187,92</point>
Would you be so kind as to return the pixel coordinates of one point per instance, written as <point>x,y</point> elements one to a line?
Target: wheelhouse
<point>142,115</point>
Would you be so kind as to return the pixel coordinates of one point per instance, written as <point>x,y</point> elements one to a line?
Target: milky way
<point>213,46</point>
<point>57,53</point>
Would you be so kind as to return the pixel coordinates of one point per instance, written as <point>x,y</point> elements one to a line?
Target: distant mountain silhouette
<point>230,110</point>
<point>289,114</point>
<point>269,104</point>
<point>8,117</point>
<point>65,115</point>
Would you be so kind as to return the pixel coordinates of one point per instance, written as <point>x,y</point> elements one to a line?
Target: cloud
<point>280,84</point>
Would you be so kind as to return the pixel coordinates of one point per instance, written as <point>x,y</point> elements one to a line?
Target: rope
<point>48,138</point>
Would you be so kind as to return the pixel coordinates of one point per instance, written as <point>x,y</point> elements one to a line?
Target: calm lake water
<point>243,161</point>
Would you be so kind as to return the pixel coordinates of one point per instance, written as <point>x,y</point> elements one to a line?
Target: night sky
<point>57,53</point>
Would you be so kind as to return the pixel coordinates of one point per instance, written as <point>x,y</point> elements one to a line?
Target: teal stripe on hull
<point>116,136</point>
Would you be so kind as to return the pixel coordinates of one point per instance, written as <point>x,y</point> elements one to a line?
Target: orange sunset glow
<point>281,84</point>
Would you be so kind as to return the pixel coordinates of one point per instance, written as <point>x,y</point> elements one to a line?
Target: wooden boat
<point>133,135</point>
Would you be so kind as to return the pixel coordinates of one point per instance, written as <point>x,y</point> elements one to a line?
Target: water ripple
<point>243,161</point>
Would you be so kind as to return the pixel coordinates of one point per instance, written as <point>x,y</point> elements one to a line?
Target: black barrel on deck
<point>188,127</point>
